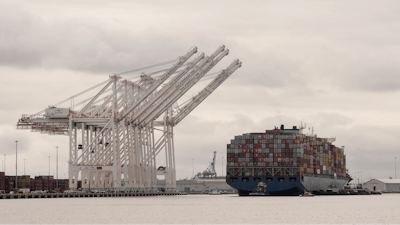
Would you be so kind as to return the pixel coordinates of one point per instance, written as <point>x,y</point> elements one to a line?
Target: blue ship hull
<point>275,186</point>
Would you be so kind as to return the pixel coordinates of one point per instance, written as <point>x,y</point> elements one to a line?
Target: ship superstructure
<point>284,162</point>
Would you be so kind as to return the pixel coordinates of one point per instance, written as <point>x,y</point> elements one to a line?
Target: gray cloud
<point>81,43</point>
<point>332,64</point>
<point>279,48</point>
<point>8,145</point>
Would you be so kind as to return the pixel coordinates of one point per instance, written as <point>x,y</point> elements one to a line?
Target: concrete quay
<point>80,195</point>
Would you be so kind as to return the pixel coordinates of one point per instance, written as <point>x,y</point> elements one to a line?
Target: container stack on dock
<point>10,183</point>
<point>2,181</point>
<point>24,181</point>
<point>62,184</point>
<point>40,183</point>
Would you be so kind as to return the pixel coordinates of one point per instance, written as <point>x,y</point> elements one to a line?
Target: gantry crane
<point>112,133</point>
<point>210,171</point>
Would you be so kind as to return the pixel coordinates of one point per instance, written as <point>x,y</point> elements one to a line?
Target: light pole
<point>24,167</point>
<point>394,167</point>
<point>355,178</point>
<point>192,168</point>
<point>4,164</point>
<point>48,178</point>
<point>16,165</point>
<point>57,167</point>
<point>222,166</point>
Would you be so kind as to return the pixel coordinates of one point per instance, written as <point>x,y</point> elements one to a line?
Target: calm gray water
<point>205,209</point>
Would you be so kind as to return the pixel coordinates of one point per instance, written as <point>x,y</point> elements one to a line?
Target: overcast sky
<point>331,64</point>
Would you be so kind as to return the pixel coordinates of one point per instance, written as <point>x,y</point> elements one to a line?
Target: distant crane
<point>210,171</point>
<point>111,126</point>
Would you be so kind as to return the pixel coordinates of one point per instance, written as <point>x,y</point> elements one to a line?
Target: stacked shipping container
<point>2,181</point>
<point>24,181</point>
<point>322,157</point>
<point>40,183</point>
<point>280,149</point>
<point>10,183</point>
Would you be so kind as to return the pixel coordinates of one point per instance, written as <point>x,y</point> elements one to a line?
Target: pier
<point>80,195</point>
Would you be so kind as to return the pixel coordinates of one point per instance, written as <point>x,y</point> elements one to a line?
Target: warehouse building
<point>383,185</point>
<point>199,185</point>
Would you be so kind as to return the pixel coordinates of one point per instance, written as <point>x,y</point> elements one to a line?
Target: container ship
<point>285,162</point>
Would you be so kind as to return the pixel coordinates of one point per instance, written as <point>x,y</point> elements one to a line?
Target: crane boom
<point>178,93</point>
<point>94,99</point>
<point>199,98</point>
<point>158,82</point>
<point>170,91</point>
<point>166,88</point>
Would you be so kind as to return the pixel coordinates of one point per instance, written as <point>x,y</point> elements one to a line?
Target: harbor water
<point>204,209</point>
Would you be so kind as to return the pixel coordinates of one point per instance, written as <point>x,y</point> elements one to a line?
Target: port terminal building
<point>199,185</point>
<point>383,185</point>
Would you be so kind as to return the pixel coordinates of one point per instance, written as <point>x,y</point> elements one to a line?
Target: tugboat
<point>307,194</point>
<point>260,189</point>
<point>214,192</point>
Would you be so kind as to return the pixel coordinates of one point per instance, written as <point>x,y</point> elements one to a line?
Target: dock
<point>80,195</point>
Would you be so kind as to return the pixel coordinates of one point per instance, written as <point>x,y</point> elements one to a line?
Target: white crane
<point>210,171</point>
<point>112,132</point>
